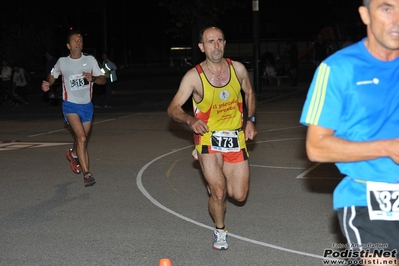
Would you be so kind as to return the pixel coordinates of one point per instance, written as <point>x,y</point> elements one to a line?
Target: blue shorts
<point>84,111</point>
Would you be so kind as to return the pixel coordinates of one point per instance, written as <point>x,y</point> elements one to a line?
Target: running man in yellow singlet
<point>220,134</point>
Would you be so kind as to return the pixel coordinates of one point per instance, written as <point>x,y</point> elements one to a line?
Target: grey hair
<point>366,3</point>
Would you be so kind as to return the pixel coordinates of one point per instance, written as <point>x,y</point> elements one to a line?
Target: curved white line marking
<point>272,140</point>
<point>156,203</point>
<point>280,129</point>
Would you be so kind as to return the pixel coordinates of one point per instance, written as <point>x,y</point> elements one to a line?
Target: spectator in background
<point>51,60</point>
<point>21,81</point>
<point>6,78</point>
<point>268,71</point>
<point>320,50</point>
<point>348,42</point>
<point>109,68</point>
<point>292,52</point>
<point>267,62</point>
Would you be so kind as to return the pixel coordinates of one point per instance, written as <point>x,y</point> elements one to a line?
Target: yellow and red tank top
<point>221,108</point>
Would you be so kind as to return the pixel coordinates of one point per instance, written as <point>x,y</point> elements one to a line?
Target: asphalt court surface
<point>150,199</point>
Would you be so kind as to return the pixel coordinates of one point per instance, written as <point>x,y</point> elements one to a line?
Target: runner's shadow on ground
<point>180,130</point>
<point>323,178</point>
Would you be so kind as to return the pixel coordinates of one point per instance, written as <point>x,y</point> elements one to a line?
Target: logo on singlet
<point>224,95</point>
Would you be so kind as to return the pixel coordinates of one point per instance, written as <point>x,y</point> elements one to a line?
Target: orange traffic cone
<point>165,262</point>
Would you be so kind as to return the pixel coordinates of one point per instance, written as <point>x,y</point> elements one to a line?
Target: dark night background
<point>141,33</point>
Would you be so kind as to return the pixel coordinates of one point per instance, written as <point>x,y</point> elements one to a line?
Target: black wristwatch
<point>252,119</point>
<point>93,78</point>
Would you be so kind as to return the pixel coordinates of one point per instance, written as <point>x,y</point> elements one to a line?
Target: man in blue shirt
<point>352,114</point>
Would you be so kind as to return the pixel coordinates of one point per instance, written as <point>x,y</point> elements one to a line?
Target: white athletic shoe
<point>220,239</point>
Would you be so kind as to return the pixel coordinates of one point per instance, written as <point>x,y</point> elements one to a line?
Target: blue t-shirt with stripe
<point>357,96</point>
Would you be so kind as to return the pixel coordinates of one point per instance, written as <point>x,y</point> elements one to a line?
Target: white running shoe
<point>220,239</point>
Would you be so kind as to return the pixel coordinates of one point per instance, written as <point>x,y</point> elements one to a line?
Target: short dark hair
<point>73,32</point>
<point>201,34</point>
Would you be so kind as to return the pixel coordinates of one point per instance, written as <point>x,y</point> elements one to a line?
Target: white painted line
<point>95,123</point>
<point>16,145</point>
<point>159,205</point>
<point>46,133</point>
<point>322,178</point>
<point>116,118</point>
<point>126,116</point>
<point>280,129</point>
<point>273,140</point>
<point>308,170</point>
<point>105,121</point>
<point>277,167</point>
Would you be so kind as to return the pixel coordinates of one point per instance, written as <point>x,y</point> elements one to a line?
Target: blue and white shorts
<point>84,111</point>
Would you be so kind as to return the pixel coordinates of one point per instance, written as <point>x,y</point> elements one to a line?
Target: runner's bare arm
<point>323,146</point>
<point>249,98</point>
<point>175,109</point>
<point>100,80</point>
<point>47,83</point>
